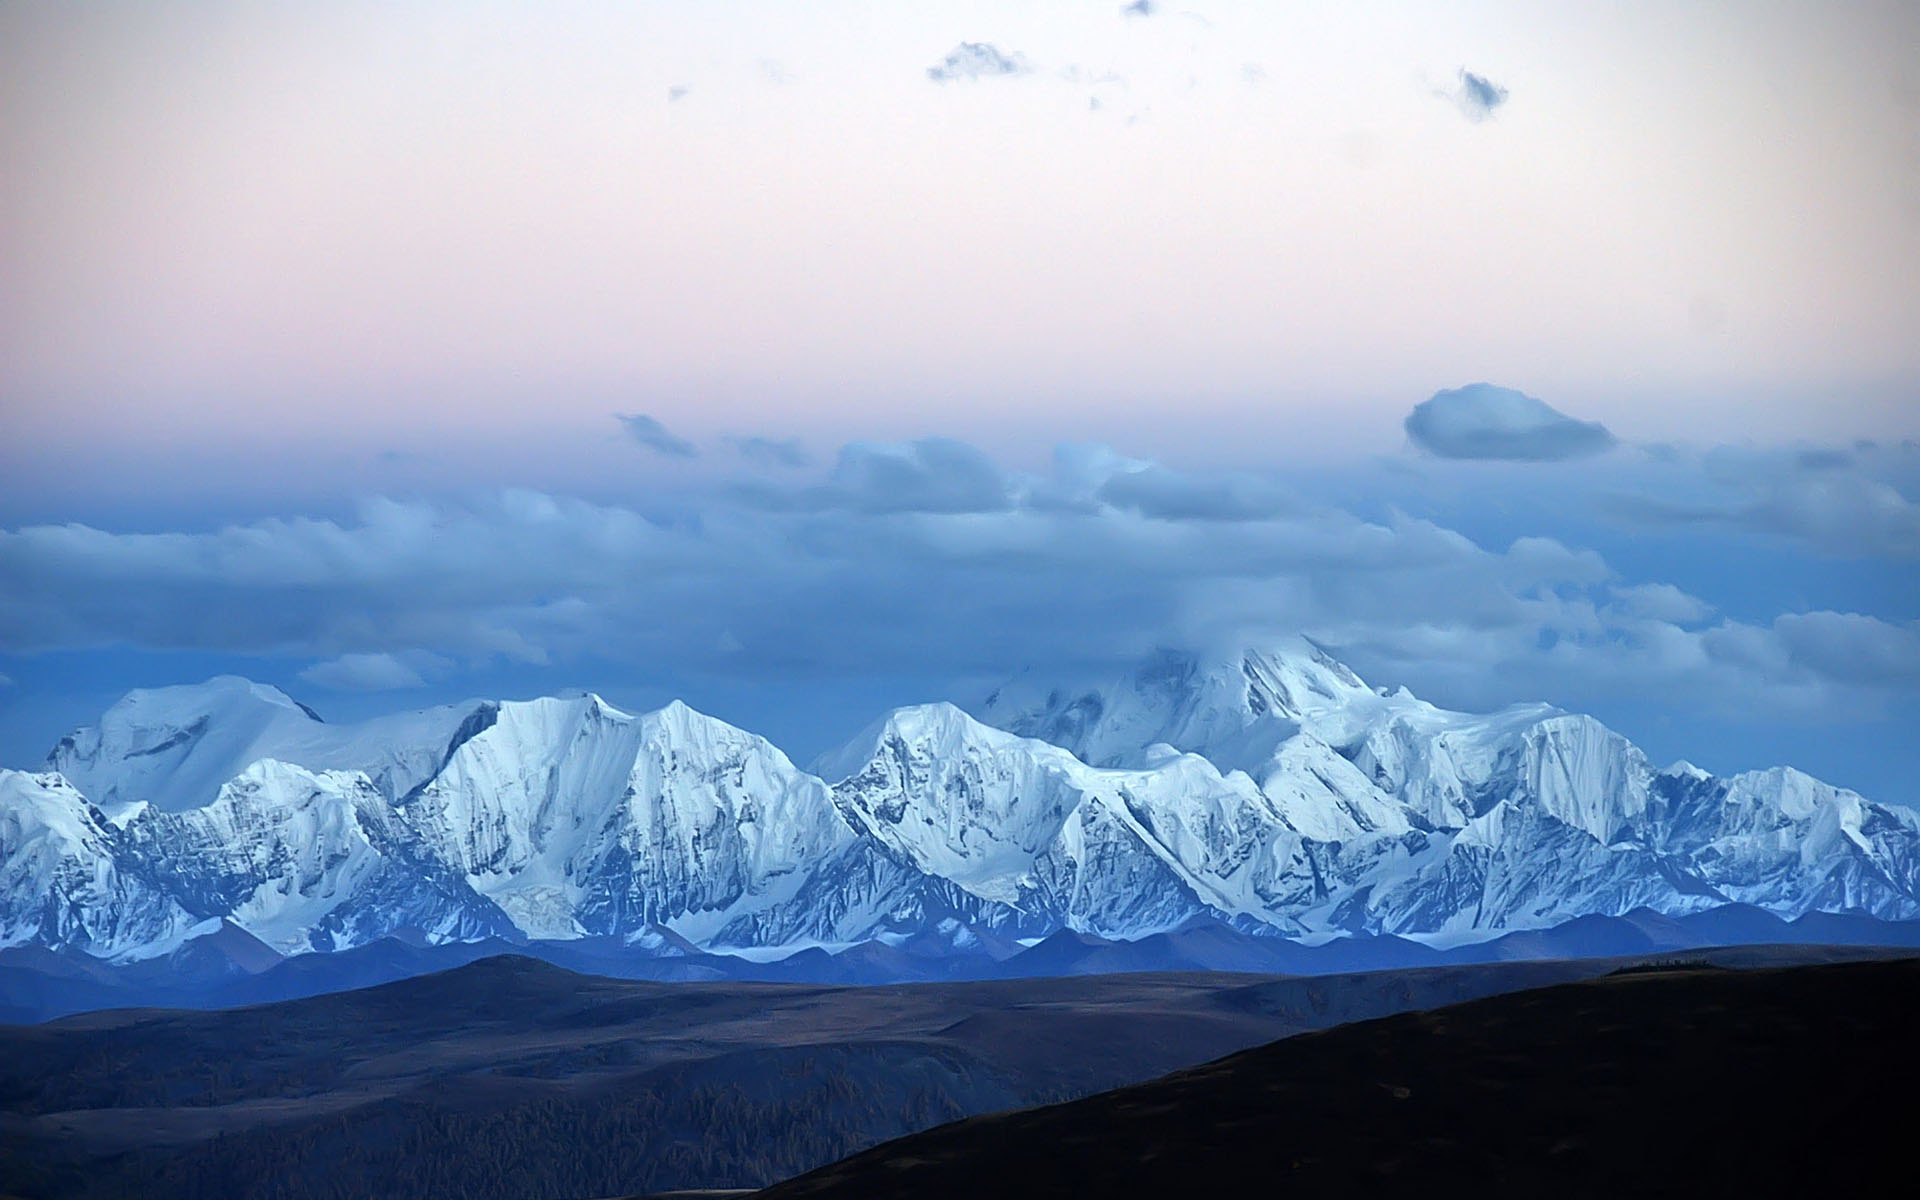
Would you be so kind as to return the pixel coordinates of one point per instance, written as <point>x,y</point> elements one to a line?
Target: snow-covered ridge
<point>1269,787</point>
<point>174,748</point>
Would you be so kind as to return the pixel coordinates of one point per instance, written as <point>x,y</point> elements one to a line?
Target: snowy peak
<point>958,799</point>
<point>1584,774</point>
<point>934,729</point>
<point>1270,788</point>
<point>1204,705</point>
<point>577,818</point>
<point>61,881</point>
<point>174,748</point>
<point>1293,679</point>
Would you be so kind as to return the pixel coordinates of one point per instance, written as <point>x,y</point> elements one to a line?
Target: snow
<point>175,747</point>
<point>1271,787</point>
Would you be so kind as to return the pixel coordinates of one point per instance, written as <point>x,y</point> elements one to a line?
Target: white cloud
<point>371,672</point>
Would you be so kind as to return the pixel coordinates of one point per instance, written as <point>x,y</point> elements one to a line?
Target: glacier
<point>1269,788</point>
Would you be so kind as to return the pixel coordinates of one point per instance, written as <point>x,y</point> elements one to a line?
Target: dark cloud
<point>932,475</point>
<point>677,92</point>
<point>977,60</point>
<point>772,452</point>
<point>930,557</point>
<point>1825,458</point>
<point>1852,503</point>
<point>655,436</point>
<point>1487,422</point>
<point>1476,95</point>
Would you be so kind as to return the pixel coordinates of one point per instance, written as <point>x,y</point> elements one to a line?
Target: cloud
<point>1139,8</point>
<point>1476,95</point>
<point>654,436</point>
<point>6,681</point>
<point>1154,491</point>
<point>932,475</point>
<point>929,560</point>
<point>1852,503</point>
<point>977,60</point>
<point>1661,602</point>
<point>1825,458</point>
<point>1826,646</point>
<point>677,93</point>
<point>362,672</point>
<point>1851,646</point>
<point>1481,421</point>
<point>772,452</point>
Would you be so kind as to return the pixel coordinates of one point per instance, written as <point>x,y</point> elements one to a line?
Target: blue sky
<point>802,361</point>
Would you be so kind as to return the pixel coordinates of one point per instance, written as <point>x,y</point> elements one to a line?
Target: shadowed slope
<point>1695,1081</point>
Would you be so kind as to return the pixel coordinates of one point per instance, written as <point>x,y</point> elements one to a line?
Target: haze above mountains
<point>1270,790</point>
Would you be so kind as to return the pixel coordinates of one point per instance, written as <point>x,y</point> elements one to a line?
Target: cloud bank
<point>932,554</point>
<point>1842,502</point>
<point>1487,422</point>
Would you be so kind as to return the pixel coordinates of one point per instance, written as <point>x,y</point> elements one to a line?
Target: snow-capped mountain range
<point>1271,789</point>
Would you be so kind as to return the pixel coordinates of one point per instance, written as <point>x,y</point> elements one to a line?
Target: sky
<point>799,361</point>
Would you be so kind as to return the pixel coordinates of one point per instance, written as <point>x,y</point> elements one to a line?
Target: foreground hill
<point>1691,1081</point>
<point>511,1078</point>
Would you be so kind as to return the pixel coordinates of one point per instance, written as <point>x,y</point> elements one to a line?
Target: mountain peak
<point>219,695</point>
<point>1182,698</point>
<point>937,728</point>
<point>1263,784</point>
<point>680,724</point>
<point>174,747</point>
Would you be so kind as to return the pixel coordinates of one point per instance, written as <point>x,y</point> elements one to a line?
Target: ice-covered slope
<point>1270,788</point>
<point>577,818</point>
<point>1022,826</point>
<point>307,860</point>
<point>174,748</point>
<point>62,884</point>
<point>1458,822</point>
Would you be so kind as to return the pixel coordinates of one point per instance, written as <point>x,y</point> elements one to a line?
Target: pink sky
<point>299,236</point>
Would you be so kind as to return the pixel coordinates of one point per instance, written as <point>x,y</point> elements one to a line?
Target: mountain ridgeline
<point>1270,790</point>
